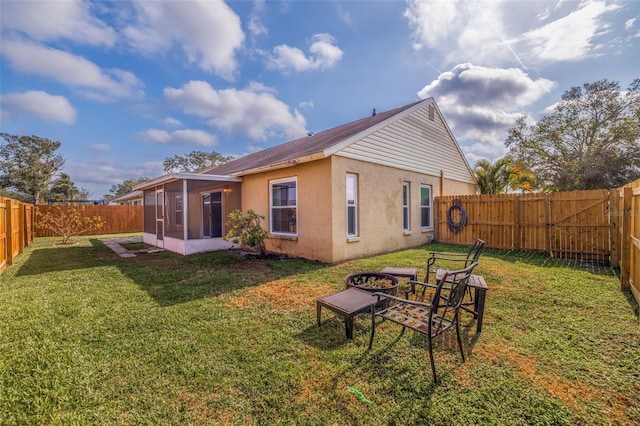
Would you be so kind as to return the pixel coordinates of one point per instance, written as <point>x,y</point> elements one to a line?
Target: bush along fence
<point>16,229</point>
<point>588,226</point>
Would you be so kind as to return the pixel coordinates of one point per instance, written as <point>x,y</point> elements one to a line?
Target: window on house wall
<point>406,224</point>
<point>425,206</point>
<point>283,205</point>
<point>352,205</point>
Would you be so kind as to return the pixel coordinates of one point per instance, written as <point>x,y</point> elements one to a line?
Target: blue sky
<point>125,84</point>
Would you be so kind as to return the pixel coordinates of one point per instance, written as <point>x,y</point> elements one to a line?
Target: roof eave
<point>281,164</point>
<point>171,177</point>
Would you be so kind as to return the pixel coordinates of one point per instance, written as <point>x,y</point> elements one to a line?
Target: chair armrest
<point>415,283</point>
<point>446,254</point>
<point>401,300</point>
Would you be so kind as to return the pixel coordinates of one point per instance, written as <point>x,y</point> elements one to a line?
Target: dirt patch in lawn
<point>284,294</point>
<point>573,394</point>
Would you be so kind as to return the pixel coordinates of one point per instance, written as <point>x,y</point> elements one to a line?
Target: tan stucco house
<point>358,189</point>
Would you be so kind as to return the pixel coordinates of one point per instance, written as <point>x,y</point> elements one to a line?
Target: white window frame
<point>272,207</point>
<point>426,206</point>
<point>353,178</point>
<point>406,206</point>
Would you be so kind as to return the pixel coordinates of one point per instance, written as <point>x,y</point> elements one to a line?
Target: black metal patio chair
<point>430,319</point>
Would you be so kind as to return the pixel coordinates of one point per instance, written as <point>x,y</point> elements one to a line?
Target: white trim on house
<point>189,176</point>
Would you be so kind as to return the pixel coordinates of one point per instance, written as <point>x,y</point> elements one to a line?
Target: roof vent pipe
<point>373,114</point>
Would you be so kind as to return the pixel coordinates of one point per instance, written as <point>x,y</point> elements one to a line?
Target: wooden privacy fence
<point>568,225</point>
<point>16,229</point>
<point>590,226</point>
<point>119,219</point>
<point>625,217</point>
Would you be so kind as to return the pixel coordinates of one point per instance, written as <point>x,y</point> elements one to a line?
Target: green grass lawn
<point>87,337</point>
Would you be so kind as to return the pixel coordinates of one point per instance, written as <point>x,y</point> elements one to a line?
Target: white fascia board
<point>171,177</point>
<point>336,148</point>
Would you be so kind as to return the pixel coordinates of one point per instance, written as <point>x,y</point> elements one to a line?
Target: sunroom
<point>186,212</point>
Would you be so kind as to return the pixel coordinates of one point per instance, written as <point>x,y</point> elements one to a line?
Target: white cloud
<point>100,147</point>
<point>180,137</point>
<point>257,114</point>
<point>501,32</point>
<point>208,32</point>
<point>481,103</point>
<point>571,37</point>
<point>172,122</point>
<point>54,20</point>
<point>99,172</point>
<point>255,25</point>
<point>323,54</point>
<point>71,70</point>
<point>38,104</point>
<point>629,24</point>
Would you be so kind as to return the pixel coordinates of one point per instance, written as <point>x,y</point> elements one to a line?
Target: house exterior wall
<point>314,208</point>
<point>380,215</point>
<point>322,228</point>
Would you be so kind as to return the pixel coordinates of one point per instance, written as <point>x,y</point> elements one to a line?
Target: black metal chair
<point>430,319</point>
<point>444,260</point>
<point>438,262</point>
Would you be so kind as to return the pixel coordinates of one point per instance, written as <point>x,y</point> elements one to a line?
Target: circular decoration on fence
<point>456,216</point>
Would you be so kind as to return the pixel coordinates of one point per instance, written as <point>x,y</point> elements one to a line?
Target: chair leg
<point>373,328</point>
<point>459,340</point>
<point>433,365</point>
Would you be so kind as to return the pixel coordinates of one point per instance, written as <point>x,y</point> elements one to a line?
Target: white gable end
<point>416,143</point>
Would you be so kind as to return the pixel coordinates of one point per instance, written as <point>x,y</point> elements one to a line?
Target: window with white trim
<point>425,206</point>
<point>406,224</point>
<point>283,202</point>
<point>352,205</point>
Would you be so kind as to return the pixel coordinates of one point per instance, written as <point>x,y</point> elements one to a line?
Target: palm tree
<point>503,176</point>
<point>63,188</point>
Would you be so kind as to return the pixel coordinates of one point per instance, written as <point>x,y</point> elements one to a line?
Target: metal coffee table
<point>348,304</point>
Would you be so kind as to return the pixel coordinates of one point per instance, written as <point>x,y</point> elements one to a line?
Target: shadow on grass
<point>167,277</point>
<point>58,259</point>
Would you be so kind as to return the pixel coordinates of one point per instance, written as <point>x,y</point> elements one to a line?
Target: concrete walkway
<point>115,244</point>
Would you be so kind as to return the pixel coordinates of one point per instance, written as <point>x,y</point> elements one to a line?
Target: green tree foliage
<point>503,176</point>
<point>246,230</point>
<point>591,140</point>
<point>28,164</point>
<point>63,189</point>
<point>125,187</point>
<point>193,161</point>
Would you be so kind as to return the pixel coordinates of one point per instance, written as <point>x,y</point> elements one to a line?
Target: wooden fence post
<point>516,226</point>
<point>625,236</point>
<point>614,223</point>
<point>9,224</point>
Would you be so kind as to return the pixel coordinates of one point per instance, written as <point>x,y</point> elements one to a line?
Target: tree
<point>63,189</point>
<point>590,140</point>
<point>125,187</point>
<point>67,221</point>
<point>193,161</point>
<point>503,176</point>
<point>28,163</point>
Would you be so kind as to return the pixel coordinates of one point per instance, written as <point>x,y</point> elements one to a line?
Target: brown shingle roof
<point>305,146</point>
